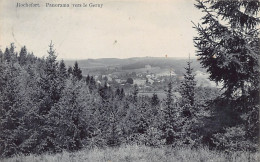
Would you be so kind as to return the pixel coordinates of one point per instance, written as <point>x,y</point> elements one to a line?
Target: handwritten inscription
<point>62,5</point>
<point>95,5</point>
<point>57,5</point>
<point>28,5</point>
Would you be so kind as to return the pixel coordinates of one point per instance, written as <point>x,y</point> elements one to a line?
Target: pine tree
<point>155,105</point>
<point>115,114</point>
<point>49,80</point>
<point>7,55</point>
<point>189,111</point>
<point>14,55</point>
<point>92,84</point>
<point>169,96</point>
<point>62,76</point>
<point>31,124</point>
<point>155,100</point>
<point>49,95</point>
<point>135,93</point>
<point>122,93</point>
<point>13,107</point>
<point>228,47</point>
<point>105,92</point>
<point>62,70</point>
<point>143,121</point>
<point>77,73</point>
<point>70,117</point>
<point>1,56</point>
<point>117,92</point>
<point>70,71</point>
<point>31,59</point>
<point>228,43</point>
<point>22,56</point>
<point>171,116</point>
<point>88,80</point>
<point>187,88</point>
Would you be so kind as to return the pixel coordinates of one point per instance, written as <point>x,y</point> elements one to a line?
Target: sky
<point>120,29</point>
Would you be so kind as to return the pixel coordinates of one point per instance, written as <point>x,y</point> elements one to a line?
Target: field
<point>137,153</point>
<point>161,95</point>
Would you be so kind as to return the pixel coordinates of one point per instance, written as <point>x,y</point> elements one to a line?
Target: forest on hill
<point>135,63</point>
<point>48,107</point>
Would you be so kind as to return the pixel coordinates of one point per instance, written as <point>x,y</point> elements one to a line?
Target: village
<point>148,79</point>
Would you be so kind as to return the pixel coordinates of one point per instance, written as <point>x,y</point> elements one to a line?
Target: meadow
<point>137,153</point>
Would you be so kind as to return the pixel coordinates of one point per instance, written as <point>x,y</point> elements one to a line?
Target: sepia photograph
<point>129,80</point>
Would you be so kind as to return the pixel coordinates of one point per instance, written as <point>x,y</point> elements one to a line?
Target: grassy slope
<point>140,154</point>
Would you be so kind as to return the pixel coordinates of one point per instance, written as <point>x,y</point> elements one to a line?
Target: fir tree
<point>22,56</point>
<point>105,92</point>
<point>7,55</point>
<point>31,59</point>
<point>155,105</point>
<point>13,54</point>
<point>135,93</point>
<point>88,80</point>
<point>62,70</point>
<point>189,111</point>
<point>155,100</point>
<point>62,76</point>
<point>49,79</point>
<point>70,71</point>
<point>142,120</point>
<point>1,56</point>
<point>77,73</point>
<point>187,88</point>
<point>70,117</point>
<point>117,93</point>
<point>228,47</point>
<point>122,93</point>
<point>92,84</point>
<point>228,43</point>
<point>49,95</point>
<point>171,116</point>
<point>10,109</point>
<point>115,115</point>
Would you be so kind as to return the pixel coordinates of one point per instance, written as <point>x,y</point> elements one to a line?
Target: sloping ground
<point>136,153</point>
<point>136,63</point>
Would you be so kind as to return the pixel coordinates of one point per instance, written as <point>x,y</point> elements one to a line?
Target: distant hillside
<point>95,63</point>
<point>177,64</point>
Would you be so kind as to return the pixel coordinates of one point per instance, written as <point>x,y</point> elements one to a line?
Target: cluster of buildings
<point>147,77</point>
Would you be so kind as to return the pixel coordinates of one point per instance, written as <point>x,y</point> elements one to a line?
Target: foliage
<point>187,88</point>
<point>228,47</point>
<point>228,43</point>
<point>48,108</point>
<point>77,73</point>
<point>130,81</point>
<point>171,116</point>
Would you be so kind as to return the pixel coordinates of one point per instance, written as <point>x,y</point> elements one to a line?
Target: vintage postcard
<point>129,80</point>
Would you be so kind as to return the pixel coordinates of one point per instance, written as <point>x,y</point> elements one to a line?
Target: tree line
<point>47,107</point>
